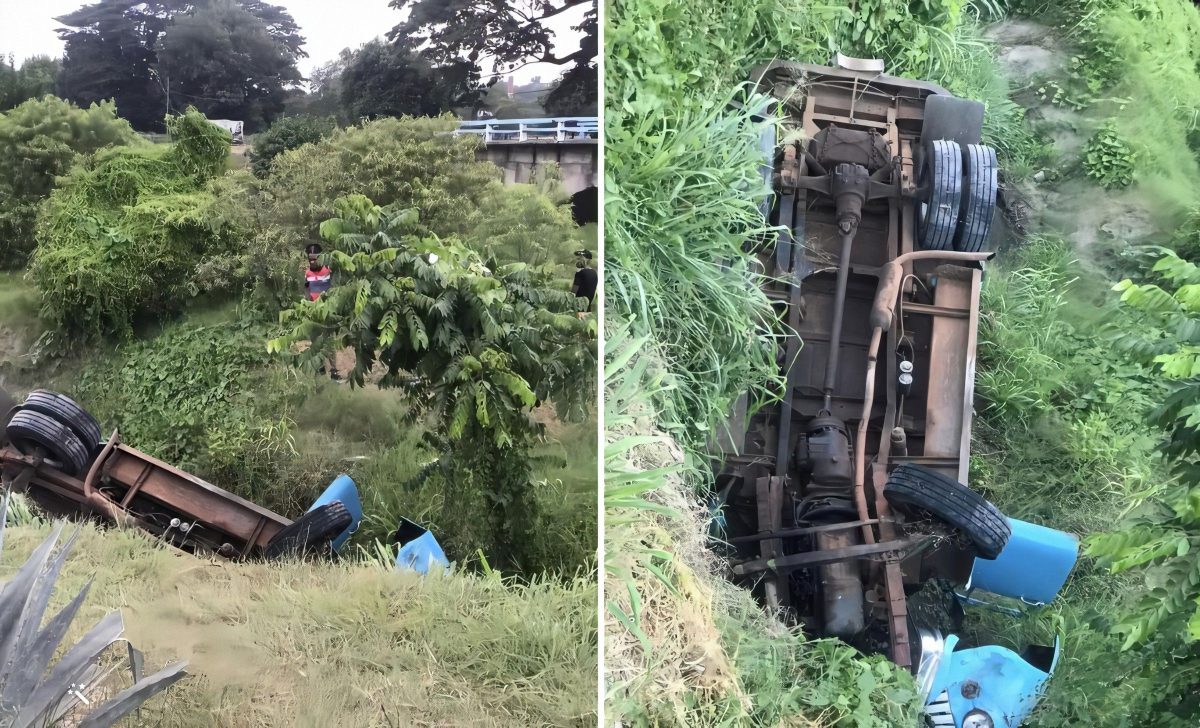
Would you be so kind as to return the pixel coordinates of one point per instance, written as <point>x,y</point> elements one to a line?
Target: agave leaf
<point>136,661</point>
<point>26,648</point>
<point>34,661</point>
<point>87,682</point>
<point>70,668</point>
<point>15,596</point>
<point>31,619</point>
<point>128,700</point>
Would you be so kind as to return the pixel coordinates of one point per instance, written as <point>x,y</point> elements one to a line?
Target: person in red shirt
<point>317,280</point>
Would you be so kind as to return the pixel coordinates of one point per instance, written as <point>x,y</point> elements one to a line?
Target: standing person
<point>585,278</point>
<point>317,280</point>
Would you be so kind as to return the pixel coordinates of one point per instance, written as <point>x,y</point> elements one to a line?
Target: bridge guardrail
<point>557,130</point>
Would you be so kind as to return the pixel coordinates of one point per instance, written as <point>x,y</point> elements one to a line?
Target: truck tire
<point>937,214</point>
<point>311,532</point>
<point>914,488</point>
<point>980,185</point>
<point>28,430</point>
<point>66,411</point>
<point>949,117</point>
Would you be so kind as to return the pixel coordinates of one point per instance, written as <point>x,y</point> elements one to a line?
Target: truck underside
<point>877,280</point>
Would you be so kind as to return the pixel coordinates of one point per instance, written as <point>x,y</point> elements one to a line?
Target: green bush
<point>205,398</point>
<point>167,394</point>
<point>266,261</point>
<point>1108,159</point>
<point>527,223</point>
<point>413,162</point>
<point>39,141</point>
<point>117,240</point>
<point>287,133</point>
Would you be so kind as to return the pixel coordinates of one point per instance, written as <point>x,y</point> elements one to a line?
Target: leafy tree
<point>1162,535</point>
<point>279,24</point>
<point>39,141</point>
<point>108,54</point>
<point>390,80</point>
<point>324,95</point>
<point>407,162</point>
<point>477,347</point>
<point>288,133</point>
<point>111,51</point>
<point>527,223</point>
<point>36,78</point>
<point>575,93</point>
<point>119,236</point>
<point>225,61</point>
<point>412,162</point>
<point>512,34</point>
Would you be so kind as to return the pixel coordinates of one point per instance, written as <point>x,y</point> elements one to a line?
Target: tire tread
<point>956,504</point>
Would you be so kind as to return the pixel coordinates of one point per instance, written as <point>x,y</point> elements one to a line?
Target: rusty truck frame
<point>50,449</point>
<point>845,494</point>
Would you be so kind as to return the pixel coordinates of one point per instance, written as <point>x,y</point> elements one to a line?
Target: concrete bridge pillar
<point>579,164</point>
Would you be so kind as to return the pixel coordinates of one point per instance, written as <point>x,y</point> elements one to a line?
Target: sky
<point>27,29</point>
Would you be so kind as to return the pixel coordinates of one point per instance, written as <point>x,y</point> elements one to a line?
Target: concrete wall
<point>580,163</point>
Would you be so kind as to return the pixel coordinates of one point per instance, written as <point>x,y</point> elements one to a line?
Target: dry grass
<point>338,644</point>
<point>686,656</point>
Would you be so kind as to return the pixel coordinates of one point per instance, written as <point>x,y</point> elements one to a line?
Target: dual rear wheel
<point>960,176</point>
<point>56,427</point>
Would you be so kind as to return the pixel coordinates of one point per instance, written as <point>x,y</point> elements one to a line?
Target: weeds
<point>1062,440</point>
<point>1108,159</point>
<point>343,644</point>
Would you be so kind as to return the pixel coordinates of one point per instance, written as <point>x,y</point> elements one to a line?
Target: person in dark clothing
<point>585,278</point>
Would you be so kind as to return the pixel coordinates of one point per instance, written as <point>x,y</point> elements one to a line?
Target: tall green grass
<point>1062,440</point>
<point>682,189</point>
<point>350,644</point>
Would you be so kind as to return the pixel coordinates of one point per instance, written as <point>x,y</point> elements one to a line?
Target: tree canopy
<point>35,78</point>
<point>112,51</point>
<point>512,35</point>
<point>224,60</point>
<point>392,80</point>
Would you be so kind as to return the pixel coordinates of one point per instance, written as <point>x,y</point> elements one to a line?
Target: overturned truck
<point>843,498</point>
<point>51,449</point>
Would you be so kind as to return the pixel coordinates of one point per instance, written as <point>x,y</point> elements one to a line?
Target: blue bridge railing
<point>557,130</point>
